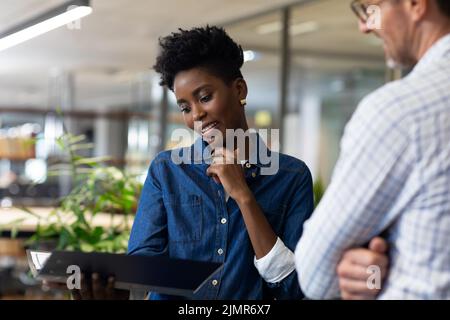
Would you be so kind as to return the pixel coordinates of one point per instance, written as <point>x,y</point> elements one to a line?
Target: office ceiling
<point>120,39</point>
<point>119,33</point>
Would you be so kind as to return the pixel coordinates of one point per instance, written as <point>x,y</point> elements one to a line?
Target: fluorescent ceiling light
<point>54,18</point>
<point>294,29</point>
<point>302,28</point>
<point>269,28</point>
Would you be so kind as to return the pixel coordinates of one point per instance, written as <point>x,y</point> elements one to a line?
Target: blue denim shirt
<point>183,213</point>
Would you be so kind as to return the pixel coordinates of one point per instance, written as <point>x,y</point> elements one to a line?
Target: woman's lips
<point>209,127</point>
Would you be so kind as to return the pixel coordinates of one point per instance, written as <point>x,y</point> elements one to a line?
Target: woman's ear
<point>241,89</point>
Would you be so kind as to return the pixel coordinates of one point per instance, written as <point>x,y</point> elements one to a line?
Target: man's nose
<point>363,27</point>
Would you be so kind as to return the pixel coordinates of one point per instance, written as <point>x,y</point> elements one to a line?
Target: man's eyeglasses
<point>360,9</point>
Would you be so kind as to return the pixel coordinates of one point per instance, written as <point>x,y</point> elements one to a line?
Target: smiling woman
<point>206,76</point>
<point>221,211</point>
<point>198,91</point>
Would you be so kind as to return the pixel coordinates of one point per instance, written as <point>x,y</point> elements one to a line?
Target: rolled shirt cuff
<point>277,264</point>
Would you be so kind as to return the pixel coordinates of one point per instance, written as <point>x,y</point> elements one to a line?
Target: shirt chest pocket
<point>184,217</point>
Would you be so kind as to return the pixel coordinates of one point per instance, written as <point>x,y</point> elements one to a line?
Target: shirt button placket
<point>220,252</point>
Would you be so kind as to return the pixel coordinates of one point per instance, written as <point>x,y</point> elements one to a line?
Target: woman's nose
<point>198,113</point>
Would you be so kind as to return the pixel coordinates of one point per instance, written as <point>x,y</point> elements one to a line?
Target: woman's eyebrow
<point>200,88</point>
<point>180,101</point>
<point>195,93</point>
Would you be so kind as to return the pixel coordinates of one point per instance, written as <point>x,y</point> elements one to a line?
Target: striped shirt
<point>393,176</point>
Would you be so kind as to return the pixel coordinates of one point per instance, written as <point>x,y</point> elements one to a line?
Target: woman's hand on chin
<point>226,169</point>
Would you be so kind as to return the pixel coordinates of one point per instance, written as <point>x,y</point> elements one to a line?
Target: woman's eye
<point>184,109</point>
<point>205,99</point>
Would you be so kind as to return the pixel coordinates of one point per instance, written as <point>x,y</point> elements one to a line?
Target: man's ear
<point>241,88</point>
<point>418,9</point>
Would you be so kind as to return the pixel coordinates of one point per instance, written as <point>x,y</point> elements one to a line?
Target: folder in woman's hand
<point>152,273</point>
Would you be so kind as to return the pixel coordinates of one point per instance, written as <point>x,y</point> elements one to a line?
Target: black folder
<point>152,273</point>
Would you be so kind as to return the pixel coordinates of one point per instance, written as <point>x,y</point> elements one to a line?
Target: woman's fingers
<point>212,172</point>
<point>98,289</point>
<point>76,294</point>
<point>94,288</point>
<point>86,289</point>
<point>225,156</point>
<point>47,285</point>
<point>110,290</point>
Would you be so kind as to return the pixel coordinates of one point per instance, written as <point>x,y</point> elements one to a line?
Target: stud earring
<point>244,102</point>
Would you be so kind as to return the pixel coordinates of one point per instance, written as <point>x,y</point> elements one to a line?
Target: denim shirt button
<point>223,221</point>
<point>214,282</point>
<point>220,251</point>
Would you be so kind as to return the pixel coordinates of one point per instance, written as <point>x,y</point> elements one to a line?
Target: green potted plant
<point>98,189</point>
<point>318,190</point>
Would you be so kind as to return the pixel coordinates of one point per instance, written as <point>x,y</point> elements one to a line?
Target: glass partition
<point>332,67</point>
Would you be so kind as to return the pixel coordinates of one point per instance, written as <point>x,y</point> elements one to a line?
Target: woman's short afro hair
<point>209,47</point>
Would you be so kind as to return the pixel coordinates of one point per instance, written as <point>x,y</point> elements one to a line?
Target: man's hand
<point>353,270</point>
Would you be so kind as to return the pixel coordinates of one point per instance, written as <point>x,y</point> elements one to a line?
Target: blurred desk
<point>9,215</point>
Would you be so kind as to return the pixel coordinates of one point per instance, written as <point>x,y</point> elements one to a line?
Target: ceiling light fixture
<point>302,28</point>
<point>270,27</point>
<point>50,20</point>
<point>295,29</point>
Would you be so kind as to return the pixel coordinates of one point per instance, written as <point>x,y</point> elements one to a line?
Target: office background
<point>307,67</point>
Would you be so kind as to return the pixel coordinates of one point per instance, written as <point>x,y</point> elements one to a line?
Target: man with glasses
<point>393,174</point>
